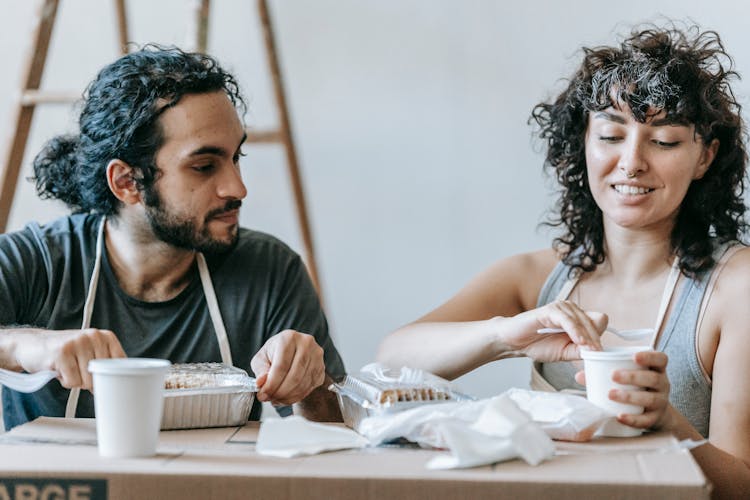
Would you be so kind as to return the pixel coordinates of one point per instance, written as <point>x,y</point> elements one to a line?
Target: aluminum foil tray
<point>364,395</point>
<point>206,395</point>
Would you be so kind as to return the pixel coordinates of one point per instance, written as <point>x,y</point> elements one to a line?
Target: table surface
<point>67,448</point>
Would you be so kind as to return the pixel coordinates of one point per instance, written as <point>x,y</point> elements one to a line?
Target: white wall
<point>410,118</point>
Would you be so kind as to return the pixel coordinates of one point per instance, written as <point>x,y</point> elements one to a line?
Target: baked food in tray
<point>378,389</point>
<point>206,395</point>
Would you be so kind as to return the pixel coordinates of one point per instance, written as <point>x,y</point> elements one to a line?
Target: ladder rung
<point>264,136</point>
<point>32,97</point>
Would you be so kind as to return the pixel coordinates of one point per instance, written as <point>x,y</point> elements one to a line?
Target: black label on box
<point>51,488</point>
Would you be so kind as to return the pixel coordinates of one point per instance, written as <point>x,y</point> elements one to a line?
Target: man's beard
<point>182,232</point>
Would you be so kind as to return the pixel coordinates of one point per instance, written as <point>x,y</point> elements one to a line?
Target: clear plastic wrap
<point>378,389</point>
<point>476,432</point>
<point>564,417</point>
<point>206,395</point>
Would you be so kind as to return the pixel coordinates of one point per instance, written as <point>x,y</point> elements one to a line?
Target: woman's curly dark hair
<point>119,119</point>
<point>686,74</point>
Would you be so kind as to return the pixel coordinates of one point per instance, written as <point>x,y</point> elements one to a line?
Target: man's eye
<point>203,168</point>
<point>609,138</point>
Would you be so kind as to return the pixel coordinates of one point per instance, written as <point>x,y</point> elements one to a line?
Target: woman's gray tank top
<point>690,392</point>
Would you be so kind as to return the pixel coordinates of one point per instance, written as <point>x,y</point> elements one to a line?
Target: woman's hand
<point>581,328</point>
<point>652,393</point>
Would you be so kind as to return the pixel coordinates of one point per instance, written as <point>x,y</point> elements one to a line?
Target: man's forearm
<point>10,336</point>
<point>320,405</point>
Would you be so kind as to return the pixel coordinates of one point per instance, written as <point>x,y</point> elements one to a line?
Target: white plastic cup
<point>598,367</point>
<point>128,400</point>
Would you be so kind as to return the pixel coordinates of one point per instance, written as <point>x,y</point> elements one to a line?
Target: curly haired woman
<point>646,143</point>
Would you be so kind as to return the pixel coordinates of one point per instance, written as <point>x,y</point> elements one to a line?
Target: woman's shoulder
<point>734,274</point>
<point>736,269</point>
<point>545,259</point>
<point>524,265</point>
<point>730,292</point>
<point>527,271</point>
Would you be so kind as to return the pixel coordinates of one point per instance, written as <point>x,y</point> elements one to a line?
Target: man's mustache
<point>217,212</point>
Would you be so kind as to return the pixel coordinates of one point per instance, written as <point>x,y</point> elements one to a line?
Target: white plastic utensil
<point>26,382</point>
<point>633,334</point>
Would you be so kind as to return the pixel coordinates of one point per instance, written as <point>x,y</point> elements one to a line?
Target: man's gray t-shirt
<point>262,288</point>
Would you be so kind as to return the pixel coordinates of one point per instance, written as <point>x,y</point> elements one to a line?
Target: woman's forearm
<point>445,349</point>
<point>729,475</point>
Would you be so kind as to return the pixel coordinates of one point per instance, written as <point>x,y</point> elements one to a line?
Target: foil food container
<point>371,393</point>
<point>206,395</point>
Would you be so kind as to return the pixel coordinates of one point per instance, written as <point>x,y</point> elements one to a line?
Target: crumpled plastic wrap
<point>475,432</point>
<point>565,417</point>
<point>385,404</point>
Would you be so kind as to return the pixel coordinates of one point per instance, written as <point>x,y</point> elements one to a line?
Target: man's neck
<point>145,267</point>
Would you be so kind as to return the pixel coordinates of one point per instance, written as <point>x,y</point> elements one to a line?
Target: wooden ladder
<point>31,96</point>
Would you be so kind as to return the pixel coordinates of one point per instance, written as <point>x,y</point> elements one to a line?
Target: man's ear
<point>122,182</point>
<point>709,153</point>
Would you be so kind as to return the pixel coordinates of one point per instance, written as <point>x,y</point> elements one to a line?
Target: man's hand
<point>67,352</point>
<point>288,367</point>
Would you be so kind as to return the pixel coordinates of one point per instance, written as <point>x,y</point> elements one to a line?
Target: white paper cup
<point>598,367</point>
<point>128,400</point>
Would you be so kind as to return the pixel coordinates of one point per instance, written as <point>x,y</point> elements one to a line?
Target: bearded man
<point>152,261</point>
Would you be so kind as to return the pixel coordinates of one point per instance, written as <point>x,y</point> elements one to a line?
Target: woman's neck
<point>635,255</point>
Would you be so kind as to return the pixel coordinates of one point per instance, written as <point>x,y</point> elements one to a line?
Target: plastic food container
<point>377,389</point>
<point>206,395</point>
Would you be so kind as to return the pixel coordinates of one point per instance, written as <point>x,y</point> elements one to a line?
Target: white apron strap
<point>213,310</point>
<point>88,308</point>
<point>666,297</point>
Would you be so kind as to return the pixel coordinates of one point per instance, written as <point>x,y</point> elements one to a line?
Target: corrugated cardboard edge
<point>140,486</point>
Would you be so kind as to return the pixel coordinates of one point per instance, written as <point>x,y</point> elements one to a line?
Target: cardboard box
<point>57,459</point>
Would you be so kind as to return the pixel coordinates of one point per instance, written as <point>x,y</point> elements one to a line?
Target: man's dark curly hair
<point>686,74</point>
<point>119,120</point>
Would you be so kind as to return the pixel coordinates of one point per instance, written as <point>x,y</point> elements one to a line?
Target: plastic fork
<point>632,334</point>
<point>26,382</point>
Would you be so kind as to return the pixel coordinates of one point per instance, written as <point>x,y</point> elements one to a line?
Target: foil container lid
<point>381,387</point>
<point>208,376</point>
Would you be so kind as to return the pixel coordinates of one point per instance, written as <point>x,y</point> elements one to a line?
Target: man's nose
<point>230,184</point>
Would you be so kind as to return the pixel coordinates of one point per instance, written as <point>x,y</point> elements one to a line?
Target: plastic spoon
<point>632,334</point>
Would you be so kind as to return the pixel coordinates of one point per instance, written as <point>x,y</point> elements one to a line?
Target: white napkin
<point>296,436</point>
<point>476,432</point>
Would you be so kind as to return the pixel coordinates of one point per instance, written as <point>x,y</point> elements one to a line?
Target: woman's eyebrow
<point>657,122</point>
<point>661,122</point>
<point>609,116</point>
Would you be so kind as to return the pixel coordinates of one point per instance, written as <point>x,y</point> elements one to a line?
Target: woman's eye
<point>609,138</point>
<point>665,144</point>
